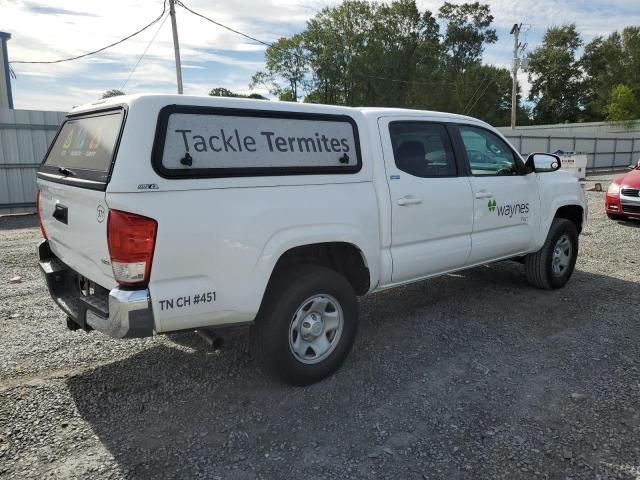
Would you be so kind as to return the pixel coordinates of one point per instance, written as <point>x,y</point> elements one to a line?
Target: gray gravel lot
<point>472,375</point>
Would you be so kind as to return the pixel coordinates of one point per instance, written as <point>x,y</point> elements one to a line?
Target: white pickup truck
<point>163,213</point>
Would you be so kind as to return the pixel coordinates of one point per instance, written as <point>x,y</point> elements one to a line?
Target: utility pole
<point>515,31</point>
<point>176,45</point>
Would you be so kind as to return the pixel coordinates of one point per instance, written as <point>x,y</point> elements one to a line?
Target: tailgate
<point>75,221</point>
<point>72,182</point>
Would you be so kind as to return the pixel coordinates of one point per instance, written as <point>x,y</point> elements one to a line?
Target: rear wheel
<point>307,324</point>
<point>551,266</point>
<point>613,216</point>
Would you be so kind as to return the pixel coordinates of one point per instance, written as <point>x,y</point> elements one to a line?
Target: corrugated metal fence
<point>24,138</point>
<point>602,152</point>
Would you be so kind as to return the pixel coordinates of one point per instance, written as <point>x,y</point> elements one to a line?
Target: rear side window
<point>219,142</point>
<point>422,149</point>
<point>84,148</point>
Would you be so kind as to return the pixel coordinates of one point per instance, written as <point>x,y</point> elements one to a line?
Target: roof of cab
<point>160,100</point>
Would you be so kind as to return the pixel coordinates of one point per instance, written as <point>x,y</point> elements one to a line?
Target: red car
<point>623,196</point>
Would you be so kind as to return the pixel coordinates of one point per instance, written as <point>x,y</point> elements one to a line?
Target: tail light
<point>42,230</point>
<point>131,239</point>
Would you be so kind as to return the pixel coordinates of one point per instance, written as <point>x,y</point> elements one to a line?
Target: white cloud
<point>213,56</point>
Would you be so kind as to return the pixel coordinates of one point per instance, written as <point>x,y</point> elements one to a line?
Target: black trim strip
<point>458,148</point>
<point>171,173</point>
<point>17,205</point>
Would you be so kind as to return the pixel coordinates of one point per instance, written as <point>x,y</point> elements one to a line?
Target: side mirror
<point>542,162</point>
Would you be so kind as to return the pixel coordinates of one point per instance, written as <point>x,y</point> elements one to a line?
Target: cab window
<point>487,153</point>
<point>422,149</point>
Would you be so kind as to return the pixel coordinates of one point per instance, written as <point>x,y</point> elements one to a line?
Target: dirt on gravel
<point>471,375</point>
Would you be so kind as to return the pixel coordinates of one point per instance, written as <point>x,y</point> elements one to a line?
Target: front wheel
<point>307,324</point>
<point>551,266</point>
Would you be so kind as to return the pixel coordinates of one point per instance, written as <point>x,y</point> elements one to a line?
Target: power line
<point>397,80</point>
<point>303,57</point>
<point>481,94</point>
<point>144,53</point>
<point>164,8</point>
<point>221,25</point>
<point>474,93</point>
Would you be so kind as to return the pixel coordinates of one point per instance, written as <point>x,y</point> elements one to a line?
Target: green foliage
<point>112,93</point>
<point>608,62</point>
<point>623,108</point>
<point>603,84</point>
<point>392,54</point>
<point>285,62</point>
<point>556,77</point>
<point>224,92</point>
<point>467,31</point>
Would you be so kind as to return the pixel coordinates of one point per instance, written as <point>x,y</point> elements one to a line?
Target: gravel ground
<point>472,375</point>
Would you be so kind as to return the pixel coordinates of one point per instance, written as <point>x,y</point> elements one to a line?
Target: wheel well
<point>342,257</point>
<point>573,213</point>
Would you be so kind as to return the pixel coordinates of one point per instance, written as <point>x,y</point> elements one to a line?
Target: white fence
<point>602,153</point>
<point>606,146</point>
<point>24,138</point>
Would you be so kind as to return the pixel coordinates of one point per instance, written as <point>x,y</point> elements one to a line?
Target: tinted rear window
<point>85,147</point>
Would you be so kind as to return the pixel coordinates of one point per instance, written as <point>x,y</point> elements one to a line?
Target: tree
<point>608,62</point>
<point>603,64</point>
<point>556,77</point>
<point>225,92</point>
<point>486,94</point>
<point>404,47</point>
<point>337,39</point>
<point>285,62</point>
<point>623,108</point>
<point>391,54</point>
<point>257,96</point>
<point>467,31</point>
<point>112,93</point>
<point>368,53</point>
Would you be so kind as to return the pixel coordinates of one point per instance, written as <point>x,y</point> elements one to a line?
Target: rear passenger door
<point>506,201</point>
<point>431,206</point>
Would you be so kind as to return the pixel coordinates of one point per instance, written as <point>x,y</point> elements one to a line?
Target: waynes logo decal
<point>508,210</point>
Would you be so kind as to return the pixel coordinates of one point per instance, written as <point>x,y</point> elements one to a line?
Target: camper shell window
<point>83,151</point>
<point>221,142</point>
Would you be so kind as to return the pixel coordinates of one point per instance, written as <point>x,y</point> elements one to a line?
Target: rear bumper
<point>118,313</point>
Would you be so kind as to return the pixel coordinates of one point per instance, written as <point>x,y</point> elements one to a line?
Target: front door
<point>431,206</point>
<point>506,202</point>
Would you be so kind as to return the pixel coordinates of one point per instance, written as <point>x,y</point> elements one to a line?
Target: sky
<point>211,56</point>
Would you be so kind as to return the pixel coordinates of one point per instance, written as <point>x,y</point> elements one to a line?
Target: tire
<point>293,350</point>
<point>613,216</point>
<point>539,266</point>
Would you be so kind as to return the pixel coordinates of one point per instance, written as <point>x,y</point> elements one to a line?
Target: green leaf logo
<point>492,205</point>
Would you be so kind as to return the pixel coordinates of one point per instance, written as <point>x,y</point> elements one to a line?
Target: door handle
<point>409,200</point>
<point>483,194</point>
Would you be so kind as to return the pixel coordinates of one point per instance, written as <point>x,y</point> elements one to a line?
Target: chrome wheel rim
<point>315,329</point>
<point>561,257</point>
